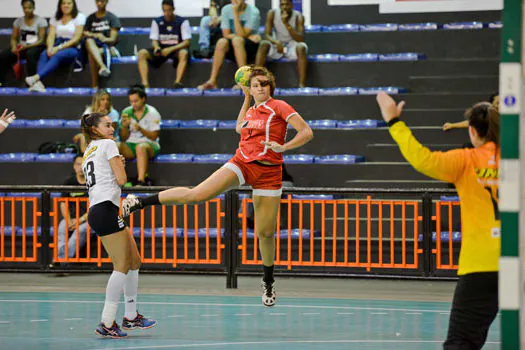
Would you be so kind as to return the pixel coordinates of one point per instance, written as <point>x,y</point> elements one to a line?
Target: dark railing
<point>403,233</point>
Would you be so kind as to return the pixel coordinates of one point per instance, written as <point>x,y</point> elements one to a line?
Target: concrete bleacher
<point>439,66</point>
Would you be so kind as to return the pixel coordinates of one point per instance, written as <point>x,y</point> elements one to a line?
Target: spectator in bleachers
<point>240,26</point>
<point>69,222</point>
<point>101,103</point>
<point>27,40</point>
<point>170,36</point>
<point>288,41</point>
<point>101,33</point>
<point>5,119</point>
<point>139,132</point>
<point>210,30</point>
<point>63,40</point>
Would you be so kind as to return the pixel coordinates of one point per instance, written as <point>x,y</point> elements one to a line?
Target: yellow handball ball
<point>242,76</point>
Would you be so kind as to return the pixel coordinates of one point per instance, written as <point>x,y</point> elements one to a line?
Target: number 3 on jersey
<point>89,172</point>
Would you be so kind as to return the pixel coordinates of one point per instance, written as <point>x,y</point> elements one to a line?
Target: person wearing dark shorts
<point>240,39</point>
<point>170,36</point>
<point>101,33</point>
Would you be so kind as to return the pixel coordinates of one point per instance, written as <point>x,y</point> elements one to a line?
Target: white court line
<point>5,322</point>
<point>229,305</point>
<point>277,314</point>
<point>345,313</point>
<point>72,319</point>
<point>178,316</point>
<point>44,320</point>
<point>444,313</point>
<point>413,313</point>
<point>209,315</point>
<point>243,315</point>
<point>311,313</point>
<point>379,313</point>
<point>284,342</point>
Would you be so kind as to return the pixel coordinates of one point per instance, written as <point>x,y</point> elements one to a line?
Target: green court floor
<point>57,321</point>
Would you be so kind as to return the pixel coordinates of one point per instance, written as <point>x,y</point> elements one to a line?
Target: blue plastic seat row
<point>309,91</point>
<point>185,158</point>
<point>449,198</point>
<point>444,236</point>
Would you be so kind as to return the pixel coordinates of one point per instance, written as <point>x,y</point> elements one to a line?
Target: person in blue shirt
<point>240,38</point>
<point>170,37</point>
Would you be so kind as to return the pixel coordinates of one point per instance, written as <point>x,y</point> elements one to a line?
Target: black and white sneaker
<point>269,296</point>
<point>130,204</point>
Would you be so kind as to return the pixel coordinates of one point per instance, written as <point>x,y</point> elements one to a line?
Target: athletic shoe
<point>130,204</point>
<point>37,87</point>
<point>30,81</point>
<point>104,72</point>
<point>139,322</point>
<point>268,296</point>
<point>112,332</point>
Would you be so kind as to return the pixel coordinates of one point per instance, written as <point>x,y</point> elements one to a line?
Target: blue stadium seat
<point>174,158</point>
<point>18,123</point>
<point>56,158</point>
<point>24,194</point>
<point>299,159</point>
<point>183,92</point>
<point>418,26</point>
<point>322,124</point>
<point>8,91</point>
<point>124,60</point>
<point>118,91</point>
<point>8,230</point>
<point>449,198</point>
<point>198,124</point>
<point>195,30</point>
<point>360,124</point>
<point>72,91</point>
<point>45,123</point>
<point>158,232</point>
<point>17,157</point>
<point>313,28</point>
<point>227,124</point>
<point>340,91</point>
<point>212,232</point>
<point>327,57</point>
<point>56,195</point>
<point>314,197</point>
<point>463,25</point>
<point>6,31</point>
<point>216,158</point>
<point>72,124</point>
<point>387,89</point>
<point>308,91</point>
<point>134,31</point>
<point>359,57</point>
<point>283,234</point>
<point>341,28</point>
<point>445,237</point>
<point>201,60</point>
<point>406,56</point>
<point>495,25</point>
<point>170,124</point>
<point>156,92</point>
<point>339,159</point>
<point>378,27</point>
<point>223,92</point>
<point>26,92</point>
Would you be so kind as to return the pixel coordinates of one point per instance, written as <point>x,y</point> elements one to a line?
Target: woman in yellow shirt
<point>475,173</point>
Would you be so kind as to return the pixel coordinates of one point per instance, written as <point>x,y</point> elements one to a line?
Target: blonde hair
<point>95,103</point>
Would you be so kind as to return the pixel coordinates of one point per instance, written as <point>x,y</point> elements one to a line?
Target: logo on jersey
<point>254,124</point>
<point>121,224</point>
<point>88,153</point>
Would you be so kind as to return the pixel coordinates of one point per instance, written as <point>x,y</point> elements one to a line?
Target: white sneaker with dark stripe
<point>269,296</point>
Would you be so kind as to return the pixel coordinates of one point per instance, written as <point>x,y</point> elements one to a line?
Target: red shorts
<point>266,180</point>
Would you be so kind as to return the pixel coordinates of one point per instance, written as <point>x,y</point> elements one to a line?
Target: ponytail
<point>484,118</point>
<point>88,122</point>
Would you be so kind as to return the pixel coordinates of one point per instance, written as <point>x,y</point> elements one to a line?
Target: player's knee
<point>136,263</point>
<point>301,49</point>
<point>265,233</point>
<point>142,150</point>
<point>265,45</point>
<point>183,55</point>
<point>122,266</point>
<point>143,54</point>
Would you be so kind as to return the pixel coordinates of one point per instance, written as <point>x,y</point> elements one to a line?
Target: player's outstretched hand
<point>8,117</point>
<point>388,106</point>
<point>274,146</point>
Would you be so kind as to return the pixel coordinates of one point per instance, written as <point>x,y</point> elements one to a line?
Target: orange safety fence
<point>19,229</point>
<point>358,233</point>
<point>188,234</point>
<point>448,234</point>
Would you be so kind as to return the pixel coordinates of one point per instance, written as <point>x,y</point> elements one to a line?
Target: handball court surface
<point>42,311</point>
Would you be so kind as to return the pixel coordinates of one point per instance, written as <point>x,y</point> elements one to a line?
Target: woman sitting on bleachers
<point>27,40</point>
<point>65,33</point>
<point>101,104</point>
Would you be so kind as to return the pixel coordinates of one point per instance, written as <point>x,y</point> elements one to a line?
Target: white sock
<point>130,293</point>
<point>114,288</point>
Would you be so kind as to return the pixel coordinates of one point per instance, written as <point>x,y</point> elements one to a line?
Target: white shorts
<point>290,51</point>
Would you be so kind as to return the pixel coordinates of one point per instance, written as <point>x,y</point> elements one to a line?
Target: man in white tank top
<point>284,37</point>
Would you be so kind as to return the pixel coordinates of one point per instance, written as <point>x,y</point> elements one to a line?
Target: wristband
<point>393,121</point>
<point>4,124</point>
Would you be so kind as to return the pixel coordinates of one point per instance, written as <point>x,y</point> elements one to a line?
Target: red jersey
<point>266,122</point>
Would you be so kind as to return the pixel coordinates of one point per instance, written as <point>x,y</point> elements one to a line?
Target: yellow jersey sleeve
<point>444,166</point>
